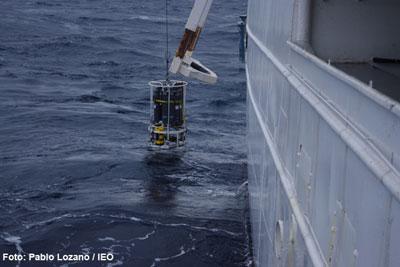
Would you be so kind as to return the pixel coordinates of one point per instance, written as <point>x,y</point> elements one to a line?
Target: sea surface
<point>76,175</point>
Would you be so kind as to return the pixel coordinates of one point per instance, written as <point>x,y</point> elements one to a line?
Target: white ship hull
<point>323,146</point>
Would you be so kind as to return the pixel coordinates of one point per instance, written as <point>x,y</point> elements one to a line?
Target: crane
<point>183,61</point>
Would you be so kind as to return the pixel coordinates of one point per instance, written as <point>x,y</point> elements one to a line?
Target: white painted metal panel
<point>324,155</point>
<point>392,248</point>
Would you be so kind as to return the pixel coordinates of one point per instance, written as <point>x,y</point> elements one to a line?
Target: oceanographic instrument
<point>167,120</point>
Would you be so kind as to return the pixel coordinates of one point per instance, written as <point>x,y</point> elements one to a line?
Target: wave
<point>89,99</point>
<point>108,63</point>
<point>46,195</point>
<point>65,42</point>
<point>94,19</point>
<point>140,53</point>
<point>181,253</point>
<point>110,39</point>
<point>220,103</point>
<point>157,19</point>
<point>46,4</point>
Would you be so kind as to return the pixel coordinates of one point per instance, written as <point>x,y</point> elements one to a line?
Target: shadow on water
<point>162,166</point>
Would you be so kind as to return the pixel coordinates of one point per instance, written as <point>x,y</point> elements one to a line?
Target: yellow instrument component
<point>159,130</point>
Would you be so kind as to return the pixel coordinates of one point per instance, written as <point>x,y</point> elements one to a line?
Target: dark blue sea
<point>76,175</point>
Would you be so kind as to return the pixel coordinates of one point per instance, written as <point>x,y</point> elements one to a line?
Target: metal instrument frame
<point>169,131</point>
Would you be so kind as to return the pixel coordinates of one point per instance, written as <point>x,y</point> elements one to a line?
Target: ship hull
<point>323,153</point>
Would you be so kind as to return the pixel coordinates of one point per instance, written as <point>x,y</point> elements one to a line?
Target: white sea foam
<point>117,263</point>
<point>214,230</point>
<point>107,238</point>
<point>86,250</point>
<point>16,240</point>
<point>181,253</point>
<point>54,219</point>
<point>72,27</point>
<point>146,236</point>
<point>242,189</point>
<point>136,219</point>
<point>153,18</point>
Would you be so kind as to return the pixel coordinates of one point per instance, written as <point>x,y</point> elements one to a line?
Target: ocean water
<point>75,172</point>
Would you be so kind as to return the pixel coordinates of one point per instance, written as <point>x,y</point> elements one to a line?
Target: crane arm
<point>183,62</point>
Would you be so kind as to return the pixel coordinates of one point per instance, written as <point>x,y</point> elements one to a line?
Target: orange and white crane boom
<point>183,61</point>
